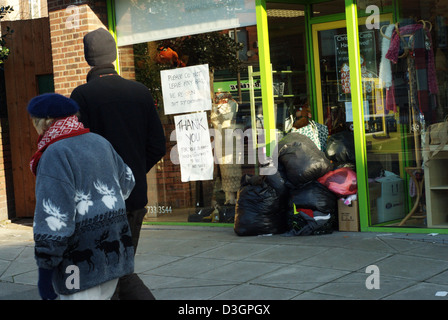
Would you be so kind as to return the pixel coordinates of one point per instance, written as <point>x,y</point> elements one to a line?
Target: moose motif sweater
<point>80,215</point>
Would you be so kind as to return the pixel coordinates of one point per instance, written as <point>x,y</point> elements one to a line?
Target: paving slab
<point>345,259</point>
<point>353,286</point>
<point>299,277</point>
<point>249,291</point>
<point>411,267</point>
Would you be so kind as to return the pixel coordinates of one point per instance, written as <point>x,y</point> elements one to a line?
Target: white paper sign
<point>194,147</point>
<point>349,111</point>
<point>186,89</point>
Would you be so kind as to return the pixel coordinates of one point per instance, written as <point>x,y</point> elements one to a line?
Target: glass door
<point>389,148</point>
<point>327,58</point>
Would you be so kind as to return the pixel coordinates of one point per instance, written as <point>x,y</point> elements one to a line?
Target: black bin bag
<point>341,148</point>
<point>261,206</point>
<point>301,160</point>
<point>321,201</point>
<point>301,224</point>
<point>315,196</point>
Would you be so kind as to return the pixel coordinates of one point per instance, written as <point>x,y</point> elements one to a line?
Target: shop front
<point>364,80</point>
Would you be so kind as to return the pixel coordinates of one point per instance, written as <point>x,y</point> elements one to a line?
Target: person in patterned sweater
<point>82,237</point>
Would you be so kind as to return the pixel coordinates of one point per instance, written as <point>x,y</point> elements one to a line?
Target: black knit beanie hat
<point>99,47</point>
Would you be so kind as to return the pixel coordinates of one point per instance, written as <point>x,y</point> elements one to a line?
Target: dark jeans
<point>131,287</point>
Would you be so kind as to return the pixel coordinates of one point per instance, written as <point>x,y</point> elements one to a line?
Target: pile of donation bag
<point>301,198</point>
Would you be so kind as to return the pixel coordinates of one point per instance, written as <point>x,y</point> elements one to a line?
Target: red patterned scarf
<point>60,129</point>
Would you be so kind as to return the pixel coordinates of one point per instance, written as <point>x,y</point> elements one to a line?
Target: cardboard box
<point>390,203</point>
<point>348,216</point>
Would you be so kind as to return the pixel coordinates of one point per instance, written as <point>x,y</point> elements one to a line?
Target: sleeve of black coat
<point>156,141</point>
<point>83,115</point>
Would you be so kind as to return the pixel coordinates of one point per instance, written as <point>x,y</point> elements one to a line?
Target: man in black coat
<point>123,112</point>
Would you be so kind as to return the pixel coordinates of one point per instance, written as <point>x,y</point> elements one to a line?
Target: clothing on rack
<point>385,74</point>
<point>419,76</point>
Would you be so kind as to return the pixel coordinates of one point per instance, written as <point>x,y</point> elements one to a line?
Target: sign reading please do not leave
<point>186,89</point>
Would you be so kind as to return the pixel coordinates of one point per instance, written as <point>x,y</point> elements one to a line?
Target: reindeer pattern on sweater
<point>80,215</point>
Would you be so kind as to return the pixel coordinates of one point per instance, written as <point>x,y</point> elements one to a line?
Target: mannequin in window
<point>223,118</point>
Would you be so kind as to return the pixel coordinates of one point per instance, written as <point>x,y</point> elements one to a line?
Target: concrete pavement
<point>213,263</point>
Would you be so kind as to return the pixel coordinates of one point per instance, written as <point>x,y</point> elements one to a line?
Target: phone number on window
<point>159,209</point>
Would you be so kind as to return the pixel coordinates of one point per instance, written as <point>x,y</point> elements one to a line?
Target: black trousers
<point>131,287</point>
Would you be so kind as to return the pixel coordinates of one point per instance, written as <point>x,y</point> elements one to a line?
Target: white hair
<point>42,124</point>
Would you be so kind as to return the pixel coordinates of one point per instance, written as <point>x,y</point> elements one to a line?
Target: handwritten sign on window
<point>186,89</point>
<point>194,148</point>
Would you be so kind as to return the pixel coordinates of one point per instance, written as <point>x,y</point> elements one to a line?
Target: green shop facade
<point>374,69</point>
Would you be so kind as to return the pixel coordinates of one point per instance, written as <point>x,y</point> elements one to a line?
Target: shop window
<point>403,73</point>
<point>288,57</point>
<point>209,199</point>
<point>195,43</point>
<point>409,113</point>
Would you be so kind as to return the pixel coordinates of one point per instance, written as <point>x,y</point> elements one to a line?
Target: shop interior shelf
<point>436,185</point>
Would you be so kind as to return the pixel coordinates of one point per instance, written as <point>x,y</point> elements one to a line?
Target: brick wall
<point>68,25</point>
<point>7,208</point>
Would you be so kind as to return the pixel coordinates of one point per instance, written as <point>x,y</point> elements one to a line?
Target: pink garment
<point>392,53</point>
<point>390,99</point>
